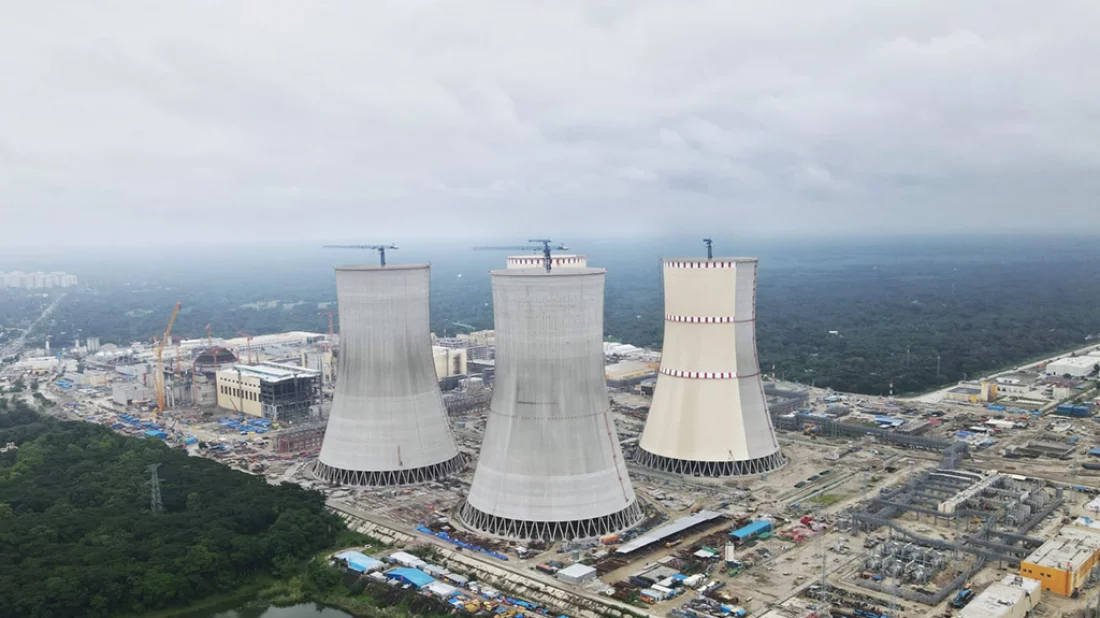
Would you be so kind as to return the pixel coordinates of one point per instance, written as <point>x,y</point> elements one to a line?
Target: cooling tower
<point>550,464</point>
<point>709,416</point>
<point>388,425</point>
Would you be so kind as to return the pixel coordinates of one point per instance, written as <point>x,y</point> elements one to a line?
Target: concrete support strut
<point>716,469</point>
<point>384,478</point>
<point>551,530</point>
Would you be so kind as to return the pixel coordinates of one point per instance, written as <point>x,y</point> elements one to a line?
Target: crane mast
<point>381,249</point>
<point>545,248</point>
<point>159,377</point>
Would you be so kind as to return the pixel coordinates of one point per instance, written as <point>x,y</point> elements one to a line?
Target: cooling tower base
<point>551,530</point>
<point>386,478</point>
<point>687,467</point>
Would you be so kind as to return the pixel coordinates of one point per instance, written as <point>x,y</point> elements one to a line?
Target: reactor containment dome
<point>709,415</point>
<point>388,424</point>
<point>550,464</point>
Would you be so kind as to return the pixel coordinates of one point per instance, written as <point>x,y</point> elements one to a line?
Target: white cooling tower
<point>388,425</point>
<point>550,464</point>
<point>709,415</point>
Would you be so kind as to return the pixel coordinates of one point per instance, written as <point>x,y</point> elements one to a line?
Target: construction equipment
<point>710,251</point>
<point>546,248</point>
<point>158,379</point>
<point>210,347</point>
<point>248,338</point>
<point>381,249</point>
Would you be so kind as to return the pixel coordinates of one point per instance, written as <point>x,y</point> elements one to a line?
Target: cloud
<point>283,121</point>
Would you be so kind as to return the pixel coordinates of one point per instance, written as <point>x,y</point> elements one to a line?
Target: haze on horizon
<point>126,122</point>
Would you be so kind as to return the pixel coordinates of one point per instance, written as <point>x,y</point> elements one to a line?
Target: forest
<point>898,310</point>
<point>78,536</point>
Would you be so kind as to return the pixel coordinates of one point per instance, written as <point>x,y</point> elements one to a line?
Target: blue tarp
<point>406,575</point>
<point>757,527</point>
<point>963,434</point>
<point>1094,451</point>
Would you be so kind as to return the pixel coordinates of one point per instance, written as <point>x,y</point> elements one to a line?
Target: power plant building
<point>388,424</point>
<point>278,392</point>
<point>550,464</point>
<point>709,415</point>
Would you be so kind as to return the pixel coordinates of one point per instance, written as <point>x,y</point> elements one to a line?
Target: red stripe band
<point>704,319</point>
<point>707,375</point>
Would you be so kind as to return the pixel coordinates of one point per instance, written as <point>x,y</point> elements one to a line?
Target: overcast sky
<point>307,121</point>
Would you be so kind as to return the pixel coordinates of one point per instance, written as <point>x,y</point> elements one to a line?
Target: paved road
<point>17,346</point>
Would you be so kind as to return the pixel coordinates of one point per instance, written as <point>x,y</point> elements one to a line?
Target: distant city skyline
<point>148,125</point>
<point>37,280</point>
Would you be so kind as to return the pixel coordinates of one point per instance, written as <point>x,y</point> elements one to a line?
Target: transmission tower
<point>155,503</point>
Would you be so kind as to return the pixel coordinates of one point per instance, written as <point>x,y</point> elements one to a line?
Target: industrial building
<point>627,373</point>
<point>448,362</point>
<point>1012,597</point>
<point>1062,564</point>
<point>550,465</point>
<point>576,574</point>
<point>1075,366</point>
<point>274,391</point>
<point>388,424</point>
<point>709,415</point>
<point>972,392</point>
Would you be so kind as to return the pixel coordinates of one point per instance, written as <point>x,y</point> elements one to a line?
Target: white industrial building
<point>576,574</point>
<point>1012,597</point>
<point>709,415</point>
<point>550,465</point>
<point>388,424</point>
<point>1076,366</point>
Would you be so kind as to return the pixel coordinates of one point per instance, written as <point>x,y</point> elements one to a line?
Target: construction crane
<point>546,248</point>
<point>249,339</point>
<point>381,249</point>
<point>710,250</point>
<point>158,379</point>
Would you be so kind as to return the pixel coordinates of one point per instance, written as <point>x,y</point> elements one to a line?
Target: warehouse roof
<point>1072,546</point>
<point>1002,598</point>
<point>410,576</point>
<point>360,562</point>
<point>666,531</point>
<point>577,570</point>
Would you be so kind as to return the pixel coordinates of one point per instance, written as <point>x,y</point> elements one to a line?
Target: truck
<point>962,598</point>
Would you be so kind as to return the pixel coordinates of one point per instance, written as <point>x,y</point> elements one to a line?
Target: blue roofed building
<point>413,577</point>
<point>360,563</point>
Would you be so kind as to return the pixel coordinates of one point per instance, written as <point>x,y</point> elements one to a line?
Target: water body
<point>305,610</point>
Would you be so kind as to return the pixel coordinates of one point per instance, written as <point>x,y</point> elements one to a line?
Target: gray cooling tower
<point>550,464</point>
<point>388,425</point>
<point>709,415</point>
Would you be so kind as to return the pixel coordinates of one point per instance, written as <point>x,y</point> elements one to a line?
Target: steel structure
<point>388,425</point>
<point>550,465</point>
<point>709,415</point>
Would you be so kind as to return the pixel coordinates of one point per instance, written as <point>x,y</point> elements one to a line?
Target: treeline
<point>78,537</point>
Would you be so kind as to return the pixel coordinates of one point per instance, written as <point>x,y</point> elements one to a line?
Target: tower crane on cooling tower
<point>546,248</point>
<point>710,251</point>
<point>158,379</point>
<point>381,249</point>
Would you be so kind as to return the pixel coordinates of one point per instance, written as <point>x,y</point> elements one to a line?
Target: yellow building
<point>274,391</point>
<point>1063,563</point>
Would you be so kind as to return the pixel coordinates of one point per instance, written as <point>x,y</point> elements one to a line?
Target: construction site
<point>702,489</point>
